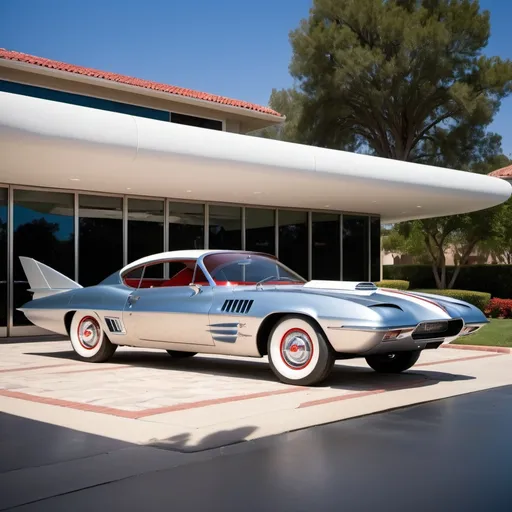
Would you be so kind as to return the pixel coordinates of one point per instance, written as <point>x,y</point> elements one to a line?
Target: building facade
<point>100,169</point>
<point>87,236</point>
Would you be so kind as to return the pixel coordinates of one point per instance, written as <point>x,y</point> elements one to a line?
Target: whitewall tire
<point>298,352</point>
<point>88,339</point>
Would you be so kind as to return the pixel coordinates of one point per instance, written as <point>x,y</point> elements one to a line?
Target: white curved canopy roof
<point>45,143</point>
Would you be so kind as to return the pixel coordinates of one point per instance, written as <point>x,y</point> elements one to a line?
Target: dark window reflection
<point>326,246</point>
<point>225,227</point>
<point>293,240</point>
<point>260,234</point>
<point>186,226</point>
<point>355,248</point>
<point>86,101</point>
<point>200,122</point>
<point>145,231</point>
<point>375,248</point>
<point>43,230</point>
<point>3,258</point>
<point>101,238</point>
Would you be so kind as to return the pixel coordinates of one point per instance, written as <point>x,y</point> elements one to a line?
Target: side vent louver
<point>114,325</point>
<point>241,307</point>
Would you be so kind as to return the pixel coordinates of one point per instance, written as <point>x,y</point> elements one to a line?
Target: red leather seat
<point>182,278</point>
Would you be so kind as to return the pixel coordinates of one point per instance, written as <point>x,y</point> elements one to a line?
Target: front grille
<point>440,329</point>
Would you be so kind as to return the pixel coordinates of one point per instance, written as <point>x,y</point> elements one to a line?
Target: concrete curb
<point>499,350</point>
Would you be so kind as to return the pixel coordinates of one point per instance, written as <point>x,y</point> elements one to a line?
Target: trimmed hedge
<point>395,284</point>
<point>478,299</point>
<point>493,279</point>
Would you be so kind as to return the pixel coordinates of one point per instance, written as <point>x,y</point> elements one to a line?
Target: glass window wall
<point>293,240</point>
<point>260,230</point>
<point>100,238</point>
<point>43,230</point>
<point>145,230</point>
<point>375,254</point>
<point>326,246</point>
<point>4,196</point>
<point>186,226</point>
<point>355,248</point>
<point>225,227</point>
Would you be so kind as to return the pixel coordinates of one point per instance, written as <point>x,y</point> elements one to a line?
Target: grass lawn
<point>496,334</point>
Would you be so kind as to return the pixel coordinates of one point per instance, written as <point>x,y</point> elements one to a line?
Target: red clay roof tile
<point>137,82</point>
<point>505,172</point>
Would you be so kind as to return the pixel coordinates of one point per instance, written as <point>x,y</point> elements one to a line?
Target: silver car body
<point>355,317</point>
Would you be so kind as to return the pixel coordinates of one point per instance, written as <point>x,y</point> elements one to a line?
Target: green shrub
<point>493,279</point>
<point>478,299</point>
<point>396,284</point>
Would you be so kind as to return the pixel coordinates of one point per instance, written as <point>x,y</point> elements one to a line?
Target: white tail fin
<point>43,280</point>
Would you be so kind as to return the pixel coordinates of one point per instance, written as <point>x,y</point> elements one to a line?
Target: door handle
<point>132,299</point>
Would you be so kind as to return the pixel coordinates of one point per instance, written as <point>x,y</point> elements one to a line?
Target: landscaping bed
<point>498,333</point>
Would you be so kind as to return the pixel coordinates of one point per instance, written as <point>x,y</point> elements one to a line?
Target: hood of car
<point>369,295</point>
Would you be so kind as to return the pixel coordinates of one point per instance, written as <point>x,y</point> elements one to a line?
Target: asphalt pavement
<point>453,454</point>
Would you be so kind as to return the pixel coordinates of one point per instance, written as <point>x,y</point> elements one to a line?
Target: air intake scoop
<point>342,285</point>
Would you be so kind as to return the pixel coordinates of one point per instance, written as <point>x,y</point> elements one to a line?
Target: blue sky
<point>229,47</point>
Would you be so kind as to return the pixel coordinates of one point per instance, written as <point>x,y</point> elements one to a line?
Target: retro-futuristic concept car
<point>244,304</point>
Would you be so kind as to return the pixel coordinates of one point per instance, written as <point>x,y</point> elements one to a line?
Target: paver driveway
<point>144,396</point>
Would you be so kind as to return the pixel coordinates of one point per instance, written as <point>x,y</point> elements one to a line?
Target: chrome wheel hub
<point>89,332</point>
<point>296,349</point>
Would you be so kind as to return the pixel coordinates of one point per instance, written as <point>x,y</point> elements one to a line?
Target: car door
<point>177,314</point>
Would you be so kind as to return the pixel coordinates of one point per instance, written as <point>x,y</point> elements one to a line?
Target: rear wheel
<point>298,352</point>
<point>88,339</point>
<point>396,362</point>
<point>176,354</point>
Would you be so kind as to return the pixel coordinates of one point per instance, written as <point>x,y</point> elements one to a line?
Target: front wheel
<point>88,339</point>
<point>396,362</point>
<point>298,352</point>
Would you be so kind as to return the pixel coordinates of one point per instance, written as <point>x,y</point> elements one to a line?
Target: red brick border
<point>214,401</point>
<point>147,412</point>
<point>480,348</point>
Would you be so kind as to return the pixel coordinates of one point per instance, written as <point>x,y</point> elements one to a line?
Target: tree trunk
<point>439,269</point>
<point>463,260</point>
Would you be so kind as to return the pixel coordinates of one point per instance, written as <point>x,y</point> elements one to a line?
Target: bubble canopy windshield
<point>249,269</point>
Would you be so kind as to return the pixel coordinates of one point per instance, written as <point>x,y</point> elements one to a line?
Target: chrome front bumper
<point>367,341</point>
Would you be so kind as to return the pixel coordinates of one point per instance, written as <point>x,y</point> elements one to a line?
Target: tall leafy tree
<point>403,79</point>
<point>487,231</point>
<point>400,78</point>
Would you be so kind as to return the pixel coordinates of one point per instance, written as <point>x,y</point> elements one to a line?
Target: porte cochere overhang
<point>51,144</point>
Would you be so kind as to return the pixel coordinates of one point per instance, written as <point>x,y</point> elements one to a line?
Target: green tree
<point>400,78</point>
<point>403,79</point>
<point>487,231</point>
<point>288,103</point>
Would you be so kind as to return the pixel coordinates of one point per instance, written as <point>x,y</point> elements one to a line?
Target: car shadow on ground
<point>343,376</point>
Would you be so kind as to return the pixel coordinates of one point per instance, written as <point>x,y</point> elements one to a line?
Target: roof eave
<point>269,119</point>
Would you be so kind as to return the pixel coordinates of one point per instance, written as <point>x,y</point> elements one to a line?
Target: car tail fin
<point>44,280</point>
